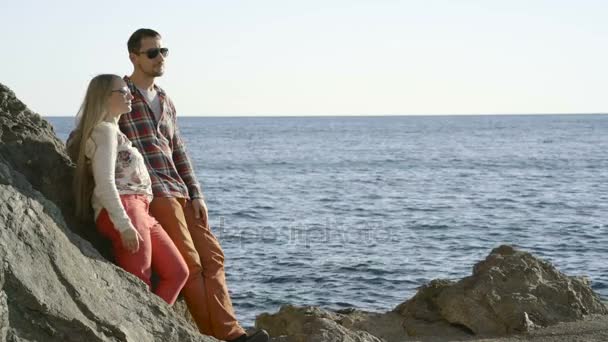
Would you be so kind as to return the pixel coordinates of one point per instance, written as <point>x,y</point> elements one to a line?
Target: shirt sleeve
<point>103,163</point>
<point>183,164</point>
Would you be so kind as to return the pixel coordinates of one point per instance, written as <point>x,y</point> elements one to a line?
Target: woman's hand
<point>131,239</point>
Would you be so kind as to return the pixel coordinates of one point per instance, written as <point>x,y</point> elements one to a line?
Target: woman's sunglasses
<point>123,91</point>
<point>153,52</point>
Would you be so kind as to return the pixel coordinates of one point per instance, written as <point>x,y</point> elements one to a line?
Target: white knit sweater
<point>118,169</point>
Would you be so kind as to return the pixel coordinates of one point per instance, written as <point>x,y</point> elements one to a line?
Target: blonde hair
<point>93,110</point>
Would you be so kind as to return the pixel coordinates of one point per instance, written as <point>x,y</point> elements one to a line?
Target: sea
<point>343,212</point>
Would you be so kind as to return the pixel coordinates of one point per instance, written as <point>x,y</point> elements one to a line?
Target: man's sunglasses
<point>153,52</point>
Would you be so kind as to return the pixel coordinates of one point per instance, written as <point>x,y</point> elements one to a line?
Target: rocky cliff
<point>54,285</point>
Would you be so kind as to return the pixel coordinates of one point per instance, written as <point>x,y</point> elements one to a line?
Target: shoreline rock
<point>510,293</point>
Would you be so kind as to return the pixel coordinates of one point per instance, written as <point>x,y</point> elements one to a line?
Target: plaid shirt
<point>164,151</point>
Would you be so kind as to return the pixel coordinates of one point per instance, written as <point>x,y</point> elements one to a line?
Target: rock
<point>510,291</point>
<point>386,326</point>
<point>57,287</point>
<point>421,316</point>
<point>299,324</point>
<point>29,146</point>
<point>54,285</point>
<point>309,324</point>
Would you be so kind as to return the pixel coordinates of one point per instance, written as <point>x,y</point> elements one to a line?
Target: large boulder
<point>30,146</point>
<point>510,291</point>
<point>54,285</point>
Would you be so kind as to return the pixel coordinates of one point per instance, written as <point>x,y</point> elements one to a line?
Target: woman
<point>112,178</point>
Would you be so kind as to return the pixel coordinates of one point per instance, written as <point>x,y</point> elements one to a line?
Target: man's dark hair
<point>134,42</point>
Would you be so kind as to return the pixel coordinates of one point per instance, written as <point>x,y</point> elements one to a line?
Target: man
<point>178,203</point>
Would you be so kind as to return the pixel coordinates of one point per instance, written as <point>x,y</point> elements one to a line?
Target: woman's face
<point>120,99</point>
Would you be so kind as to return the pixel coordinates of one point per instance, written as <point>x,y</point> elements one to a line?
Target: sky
<point>330,57</point>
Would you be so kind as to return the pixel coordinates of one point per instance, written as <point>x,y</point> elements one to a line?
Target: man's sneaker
<point>258,336</point>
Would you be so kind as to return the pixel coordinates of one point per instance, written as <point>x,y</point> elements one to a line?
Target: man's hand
<point>200,210</point>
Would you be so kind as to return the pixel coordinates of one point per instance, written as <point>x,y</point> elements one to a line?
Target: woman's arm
<point>103,164</point>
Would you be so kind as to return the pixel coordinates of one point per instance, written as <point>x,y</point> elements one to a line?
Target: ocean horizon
<point>359,211</point>
<point>359,115</point>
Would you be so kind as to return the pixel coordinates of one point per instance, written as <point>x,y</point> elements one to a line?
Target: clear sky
<point>313,57</point>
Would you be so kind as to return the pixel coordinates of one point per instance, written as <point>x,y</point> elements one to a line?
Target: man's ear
<point>132,57</point>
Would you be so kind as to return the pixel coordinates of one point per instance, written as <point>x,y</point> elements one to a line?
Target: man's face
<point>155,66</point>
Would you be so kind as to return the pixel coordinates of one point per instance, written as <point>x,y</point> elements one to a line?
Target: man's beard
<point>154,73</point>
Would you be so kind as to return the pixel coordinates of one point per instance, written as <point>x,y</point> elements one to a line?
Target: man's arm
<point>184,168</point>
<point>183,164</point>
